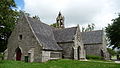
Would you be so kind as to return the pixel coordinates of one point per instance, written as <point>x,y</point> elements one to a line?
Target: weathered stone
<point>35,41</point>
<point>95,43</point>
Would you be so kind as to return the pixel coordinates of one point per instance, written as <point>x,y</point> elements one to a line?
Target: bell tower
<point>60,21</point>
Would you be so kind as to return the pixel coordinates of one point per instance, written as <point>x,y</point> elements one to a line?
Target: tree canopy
<point>54,25</point>
<point>8,17</point>
<point>90,27</point>
<point>111,51</point>
<point>36,17</point>
<point>113,33</point>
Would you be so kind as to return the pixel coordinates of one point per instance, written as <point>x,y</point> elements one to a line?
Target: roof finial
<point>59,13</point>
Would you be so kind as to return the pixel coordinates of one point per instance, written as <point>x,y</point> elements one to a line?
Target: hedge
<point>94,57</point>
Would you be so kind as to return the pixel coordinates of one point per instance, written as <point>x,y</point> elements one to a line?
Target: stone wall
<point>68,51</point>
<point>93,49</point>
<point>55,55</point>
<point>23,37</point>
<point>45,56</point>
<point>38,54</point>
<point>98,50</point>
<point>74,49</point>
<point>50,55</point>
<point>104,47</point>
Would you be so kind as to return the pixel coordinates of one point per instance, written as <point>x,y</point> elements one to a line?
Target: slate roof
<point>49,36</point>
<point>92,37</point>
<point>44,34</point>
<point>65,35</point>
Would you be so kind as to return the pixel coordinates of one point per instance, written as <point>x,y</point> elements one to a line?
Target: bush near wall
<point>94,57</point>
<point>1,56</point>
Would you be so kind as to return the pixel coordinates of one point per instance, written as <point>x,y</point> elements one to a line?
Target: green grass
<point>114,57</point>
<point>58,64</point>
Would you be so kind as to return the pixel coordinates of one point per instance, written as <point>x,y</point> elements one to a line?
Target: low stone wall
<point>55,55</point>
<point>50,55</point>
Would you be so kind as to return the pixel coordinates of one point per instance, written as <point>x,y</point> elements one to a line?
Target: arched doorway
<point>18,54</point>
<point>72,53</point>
<point>102,54</point>
<point>78,50</point>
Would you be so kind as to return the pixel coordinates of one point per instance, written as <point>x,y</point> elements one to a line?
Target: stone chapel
<point>36,41</point>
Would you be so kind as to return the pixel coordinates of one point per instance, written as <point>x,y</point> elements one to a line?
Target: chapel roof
<point>44,34</point>
<point>49,36</point>
<point>65,35</point>
<point>92,37</point>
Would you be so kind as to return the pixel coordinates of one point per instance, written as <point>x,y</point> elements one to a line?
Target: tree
<point>36,17</point>
<point>54,25</point>
<point>8,17</point>
<point>111,52</point>
<point>26,14</point>
<point>113,33</point>
<point>89,28</point>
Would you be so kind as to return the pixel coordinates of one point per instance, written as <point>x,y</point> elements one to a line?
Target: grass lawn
<point>58,64</point>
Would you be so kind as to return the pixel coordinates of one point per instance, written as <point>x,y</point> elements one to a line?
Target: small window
<point>20,37</point>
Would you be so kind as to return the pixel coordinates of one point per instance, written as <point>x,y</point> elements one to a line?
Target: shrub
<point>111,52</point>
<point>93,57</point>
<point>1,56</point>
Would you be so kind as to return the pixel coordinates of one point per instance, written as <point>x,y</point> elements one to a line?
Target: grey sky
<point>82,12</point>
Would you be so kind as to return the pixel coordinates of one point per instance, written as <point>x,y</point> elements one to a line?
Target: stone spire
<point>60,21</point>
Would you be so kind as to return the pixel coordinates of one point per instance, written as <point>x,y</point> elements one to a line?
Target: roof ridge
<point>94,31</point>
<point>65,28</point>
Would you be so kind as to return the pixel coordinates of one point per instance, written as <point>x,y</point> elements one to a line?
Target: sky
<point>82,12</point>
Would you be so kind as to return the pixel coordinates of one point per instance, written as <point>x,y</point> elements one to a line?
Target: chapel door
<point>79,49</point>
<point>102,54</point>
<point>18,54</point>
<point>72,53</point>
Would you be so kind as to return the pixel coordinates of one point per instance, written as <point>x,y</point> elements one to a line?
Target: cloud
<point>76,12</point>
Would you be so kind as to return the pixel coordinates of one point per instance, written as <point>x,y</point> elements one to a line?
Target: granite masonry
<point>35,41</point>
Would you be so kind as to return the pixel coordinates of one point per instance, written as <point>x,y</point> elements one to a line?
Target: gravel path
<point>117,61</point>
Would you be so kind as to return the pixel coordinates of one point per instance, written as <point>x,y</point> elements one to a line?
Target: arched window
<point>20,37</point>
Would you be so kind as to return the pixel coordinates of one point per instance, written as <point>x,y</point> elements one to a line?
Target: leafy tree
<point>111,51</point>
<point>54,25</point>
<point>113,33</point>
<point>36,17</point>
<point>90,27</point>
<point>26,14</point>
<point>8,17</point>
